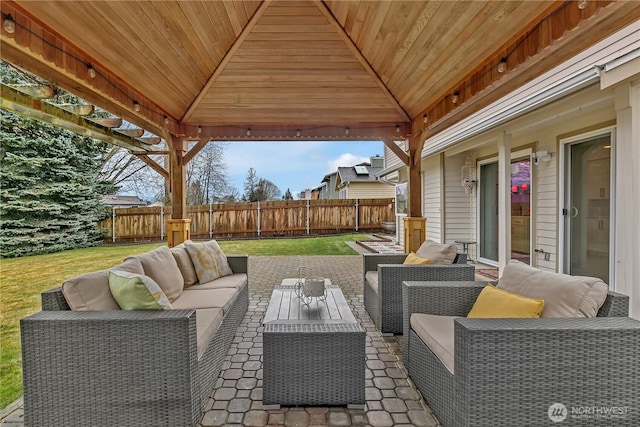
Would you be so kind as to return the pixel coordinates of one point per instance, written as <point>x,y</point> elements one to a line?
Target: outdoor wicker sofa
<point>510,372</point>
<point>134,368</point>
<point>383,275</point>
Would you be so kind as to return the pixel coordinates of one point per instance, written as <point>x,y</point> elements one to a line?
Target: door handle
<point>574,212</point>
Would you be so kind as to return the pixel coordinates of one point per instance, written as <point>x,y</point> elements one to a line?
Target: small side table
<point>465,248</point>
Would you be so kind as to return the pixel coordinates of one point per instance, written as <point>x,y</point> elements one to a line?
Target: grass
<point>23,279</point>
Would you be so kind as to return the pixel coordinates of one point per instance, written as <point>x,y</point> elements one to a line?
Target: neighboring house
<point>552,171</point>
<point>123,201</point>
<point>360,181</point>
<point>305,194</point>
<point>328,187</point>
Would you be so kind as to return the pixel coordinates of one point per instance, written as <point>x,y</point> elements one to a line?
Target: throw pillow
<point>208,259</point>
<point>161,266</point>
<point>565,295</point>
<point>497,303</point>
<point>437,253</point>
<point>415,259</point>
<point>137,292</point>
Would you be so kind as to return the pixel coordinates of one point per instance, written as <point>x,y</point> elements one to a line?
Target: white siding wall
<point>432,197</point>
<point>458,207</point>
<point>390,159</point>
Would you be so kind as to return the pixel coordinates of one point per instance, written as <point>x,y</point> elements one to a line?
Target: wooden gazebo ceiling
<point>285,65</point>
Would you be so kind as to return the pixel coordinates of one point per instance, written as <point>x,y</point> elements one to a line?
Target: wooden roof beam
<point>37,91</point>
<point>79,109</point>
<point>150,140</point>
<point>153,165</point>
<point>134,133</point>
<point>402,155</point>
<point>24,104</point>
<point>109,122</point>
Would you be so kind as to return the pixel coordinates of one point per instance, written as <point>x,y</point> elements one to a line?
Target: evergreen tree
<point>287,195</point>
<point>49,190</point>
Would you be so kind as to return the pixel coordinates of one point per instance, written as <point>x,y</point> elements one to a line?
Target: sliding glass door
<point>488,213</point>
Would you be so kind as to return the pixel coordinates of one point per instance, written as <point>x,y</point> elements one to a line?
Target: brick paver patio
<point>391,398</point>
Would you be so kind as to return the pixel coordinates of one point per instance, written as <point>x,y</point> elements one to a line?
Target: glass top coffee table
<point>313,354</point>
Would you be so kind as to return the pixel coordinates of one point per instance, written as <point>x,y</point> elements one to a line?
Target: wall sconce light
<point>136,106</point>
<point>346,130</point>
<point>455,96</point>
<point>425,118</point>
<point>297,132</point>
<point>502,65</point>
<point>582,4</point>
<point>9,24</point>
<point>91,72</point>
<point>397,128</point>
<point>248,131</point>
<point>541,156</point>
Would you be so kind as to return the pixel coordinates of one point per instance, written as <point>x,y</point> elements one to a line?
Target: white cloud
<point>345,160</point>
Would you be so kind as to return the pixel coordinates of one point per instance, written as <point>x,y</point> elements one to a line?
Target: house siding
<point>390,159</point>
<point>370,190</point>
<point>458,206</point>
<point>432,198</point>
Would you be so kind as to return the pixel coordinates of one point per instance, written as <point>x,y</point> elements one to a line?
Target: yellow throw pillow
<point>496,303</point>
<point>412,258</point>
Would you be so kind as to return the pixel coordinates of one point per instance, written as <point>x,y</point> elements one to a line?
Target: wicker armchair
<point>383,300</point>
<point>510,371</point>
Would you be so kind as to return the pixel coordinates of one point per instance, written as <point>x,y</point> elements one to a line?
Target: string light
<point>397,128</point>
<point>91,72</point>
<point>9,24</point>
<point>502,65</point>
<point>136,106</point>
<point>199,129</point>
<point>248,131</point>
<point>297,132</point>
<point>346,130</point>
<point>166,120</point>
<point>424,118</point>
<point>454,98</point>
<point>582,4</point>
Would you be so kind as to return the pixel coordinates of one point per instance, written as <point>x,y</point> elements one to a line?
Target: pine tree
<point>49,190</point>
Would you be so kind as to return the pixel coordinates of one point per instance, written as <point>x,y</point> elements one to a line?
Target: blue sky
<point>295,165</point>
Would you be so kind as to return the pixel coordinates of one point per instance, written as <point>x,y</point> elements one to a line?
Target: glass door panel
<point>488,206</point>
<point>521,210</point>
<point>588,206</point>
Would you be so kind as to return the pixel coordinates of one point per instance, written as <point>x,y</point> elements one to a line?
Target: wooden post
<point>414,223</point>
<point>179,225</point>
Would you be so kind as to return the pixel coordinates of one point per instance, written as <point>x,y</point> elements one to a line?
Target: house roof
<point>123,201</point>
<point>250,69</point>
<point>348,175</point>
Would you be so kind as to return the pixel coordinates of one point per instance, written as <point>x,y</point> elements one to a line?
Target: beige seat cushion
<point>372,278</point>
<point>437,332</point>
<point>235,281</point>
<point>563,295</point>
<point>208,321</point>
<point>91,291</point>
<point>208,298</point>
<point>185,265</point>
<point>437,253</point>
<point>161,266</point>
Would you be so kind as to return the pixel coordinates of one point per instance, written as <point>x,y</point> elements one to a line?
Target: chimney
<point>377,161</point>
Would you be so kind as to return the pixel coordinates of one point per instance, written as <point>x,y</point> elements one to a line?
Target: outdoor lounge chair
<point>383,275</point>
<point>506,372</point>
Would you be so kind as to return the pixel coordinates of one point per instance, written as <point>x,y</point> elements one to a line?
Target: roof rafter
<point>24,104</point>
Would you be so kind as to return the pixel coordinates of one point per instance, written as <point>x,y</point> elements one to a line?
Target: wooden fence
<point>267,219</point>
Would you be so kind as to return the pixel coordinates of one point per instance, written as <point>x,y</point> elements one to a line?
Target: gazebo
<point>288,70</point>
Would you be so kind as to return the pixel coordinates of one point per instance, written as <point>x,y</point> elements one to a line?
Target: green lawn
<point>23,279</point>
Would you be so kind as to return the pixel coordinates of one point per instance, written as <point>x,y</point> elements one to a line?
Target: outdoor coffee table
<point>312,355</point>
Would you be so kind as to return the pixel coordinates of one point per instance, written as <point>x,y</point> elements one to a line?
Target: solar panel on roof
<point>361,170</point>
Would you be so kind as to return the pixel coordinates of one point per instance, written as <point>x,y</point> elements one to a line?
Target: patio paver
<point>391,398</point>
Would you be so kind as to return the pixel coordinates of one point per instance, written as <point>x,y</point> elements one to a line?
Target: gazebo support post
<point>179,226</point>
<point>414,223</point>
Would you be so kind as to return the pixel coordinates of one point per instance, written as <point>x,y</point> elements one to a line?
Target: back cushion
<point>160,265</point>
<point>563,295</point>
<point>91,291</point>
<point>183,259</point>
<point>437,253</point>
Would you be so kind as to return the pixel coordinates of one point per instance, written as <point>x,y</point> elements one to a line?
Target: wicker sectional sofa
<point>106,366</point>
<point>506,372</point>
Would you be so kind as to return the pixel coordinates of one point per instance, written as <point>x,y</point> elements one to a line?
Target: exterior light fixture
<point>425,118</point>
<point>166,120</point>
<point>582,4</point>
<point>91,72</point>
<point>297,132</point>
<point>346,130</point>
<point>136,106</point>
<point>199,129</point>
<point>248,131</point>
<point>455,97</point>
<point>502,65</point>
<point>9,24</point>
<point>397,128</point>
